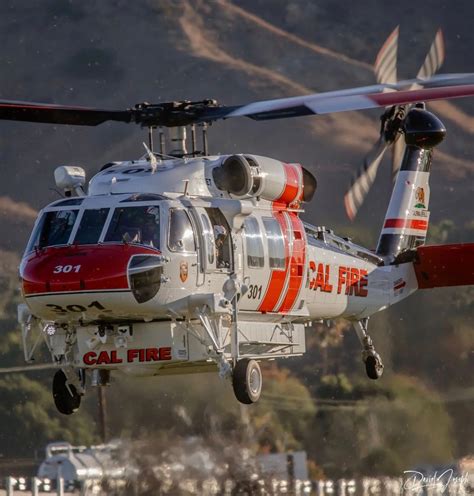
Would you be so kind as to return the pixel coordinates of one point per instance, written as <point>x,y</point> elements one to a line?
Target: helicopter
<point>188,262</point>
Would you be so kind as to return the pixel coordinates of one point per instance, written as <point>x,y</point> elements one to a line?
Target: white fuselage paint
<point>353,287</point>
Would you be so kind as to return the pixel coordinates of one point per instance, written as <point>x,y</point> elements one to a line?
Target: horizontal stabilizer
<point>445,265</point>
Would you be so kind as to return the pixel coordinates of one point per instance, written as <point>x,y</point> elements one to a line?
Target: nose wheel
<point>373,361</point>
<point>247,381</point>
<point>65,395</point>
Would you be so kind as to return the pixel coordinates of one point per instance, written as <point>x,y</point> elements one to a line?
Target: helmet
<point>220,232</point>
<point>155,212</point>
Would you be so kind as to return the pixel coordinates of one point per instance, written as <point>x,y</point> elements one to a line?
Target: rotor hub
<point>171,114</point>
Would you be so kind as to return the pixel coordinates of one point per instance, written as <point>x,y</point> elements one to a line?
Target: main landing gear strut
<point>372,360</point>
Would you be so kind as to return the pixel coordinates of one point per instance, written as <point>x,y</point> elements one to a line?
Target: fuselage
<point>136,248</point>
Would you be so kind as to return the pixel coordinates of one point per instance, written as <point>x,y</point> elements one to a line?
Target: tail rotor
<point>385,69</point>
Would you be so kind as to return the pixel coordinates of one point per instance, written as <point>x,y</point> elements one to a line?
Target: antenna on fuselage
<point>152,158</point>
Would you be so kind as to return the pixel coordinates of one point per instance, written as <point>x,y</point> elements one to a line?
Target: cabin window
<point>253,243</point>
<point>90,228</point>
<point>222,238</point>
<point>276,243</point>
<point>181,234</point>
<point>54,228</point>
<point>208,235</point>
<point>135,225</point>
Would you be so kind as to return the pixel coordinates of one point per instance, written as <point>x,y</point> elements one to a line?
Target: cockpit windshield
<point>135,225</point>
<point>90,228</point>
<point>53,229</point>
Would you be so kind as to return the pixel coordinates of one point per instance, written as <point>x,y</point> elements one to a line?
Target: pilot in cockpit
<point>151,227</point>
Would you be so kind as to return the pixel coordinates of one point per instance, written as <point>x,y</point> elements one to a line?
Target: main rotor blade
<point>364,178</point>
<point>184,113</point>
<point>436,88</point>
<point>59,114</point>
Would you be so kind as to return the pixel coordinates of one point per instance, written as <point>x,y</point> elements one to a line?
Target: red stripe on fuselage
<point>291,192</point>
<point>284,285</point>
<point>277,277</point>
<point>421,225</point>
<point>297,262</point>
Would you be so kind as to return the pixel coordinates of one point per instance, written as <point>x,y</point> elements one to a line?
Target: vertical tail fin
<point>406,221</point>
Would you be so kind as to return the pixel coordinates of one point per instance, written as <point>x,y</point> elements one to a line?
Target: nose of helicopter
<point>94,268</point>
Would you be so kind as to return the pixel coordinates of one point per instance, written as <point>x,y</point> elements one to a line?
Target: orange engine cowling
<point>266,178</point>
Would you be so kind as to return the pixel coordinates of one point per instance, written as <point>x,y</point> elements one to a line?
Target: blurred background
<point>116,53</point>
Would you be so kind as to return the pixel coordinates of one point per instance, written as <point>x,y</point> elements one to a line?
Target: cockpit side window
<point>135,225</point>
<point>53,229</point>
<point>34,238</point>
<point>91,226</point>
<point>181,234</point>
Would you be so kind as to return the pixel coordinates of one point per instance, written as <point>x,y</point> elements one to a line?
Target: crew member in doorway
<point>220,235</point>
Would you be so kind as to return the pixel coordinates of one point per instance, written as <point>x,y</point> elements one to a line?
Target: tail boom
<point>406,221</point>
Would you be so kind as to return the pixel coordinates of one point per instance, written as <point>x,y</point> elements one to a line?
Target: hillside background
<point>113,54</point>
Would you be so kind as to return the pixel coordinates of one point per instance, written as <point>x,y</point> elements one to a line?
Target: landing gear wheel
<point>66,397</point>
<point>373,367</point>
<point>247,381</point>
<point>372,360</point>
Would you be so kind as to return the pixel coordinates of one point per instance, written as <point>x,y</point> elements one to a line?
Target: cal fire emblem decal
<point>398,286</point>
<point>183,271</point>
<point>420,197</point>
